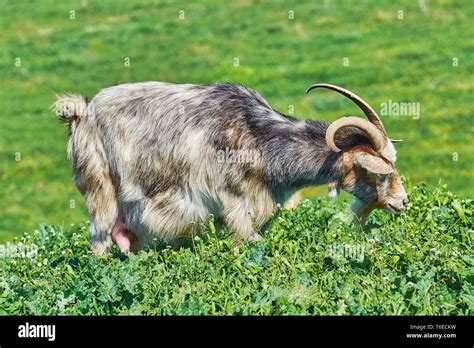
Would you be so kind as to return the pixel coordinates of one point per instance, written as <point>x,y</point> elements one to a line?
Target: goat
<point>153,159</point>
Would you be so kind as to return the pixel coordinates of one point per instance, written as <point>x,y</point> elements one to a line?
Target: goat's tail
<point>70,108</point>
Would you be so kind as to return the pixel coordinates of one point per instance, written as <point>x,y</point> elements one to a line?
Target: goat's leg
<point>361,212</point>
<point>100,197</point>
<point>239,217</point>
<point>103,211</point>
<point>293,200</point>
<point>92,176</point>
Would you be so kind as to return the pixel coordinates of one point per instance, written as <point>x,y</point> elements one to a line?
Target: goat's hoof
<point>255,238</point>
<point>100,249</point>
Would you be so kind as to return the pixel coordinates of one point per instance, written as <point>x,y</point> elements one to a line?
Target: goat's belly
<point>169,217</point>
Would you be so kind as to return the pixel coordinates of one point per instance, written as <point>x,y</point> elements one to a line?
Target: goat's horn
<point>395,140</point>
<point>363,105</point>
<point>376,137</point>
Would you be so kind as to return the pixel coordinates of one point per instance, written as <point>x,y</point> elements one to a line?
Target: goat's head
<point>369,172</point>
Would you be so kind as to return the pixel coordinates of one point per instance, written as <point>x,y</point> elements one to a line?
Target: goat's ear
<point>372,164</point>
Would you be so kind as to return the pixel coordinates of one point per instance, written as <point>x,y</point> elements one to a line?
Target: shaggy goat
<point>152,159</point>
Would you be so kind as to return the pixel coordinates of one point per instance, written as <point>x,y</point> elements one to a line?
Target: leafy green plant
<point>410,59</point>
<point>418,263</point>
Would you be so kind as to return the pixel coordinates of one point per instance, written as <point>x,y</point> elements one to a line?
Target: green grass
<point>401,60</point>
<point>418,263</point>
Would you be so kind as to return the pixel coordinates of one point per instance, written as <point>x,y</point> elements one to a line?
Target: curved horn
<point>363,105</point>
<point>376,137</point>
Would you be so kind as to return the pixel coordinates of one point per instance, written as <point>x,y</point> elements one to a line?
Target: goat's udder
<point>122,236</point>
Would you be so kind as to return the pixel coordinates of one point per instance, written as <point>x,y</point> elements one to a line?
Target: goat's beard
<point>361,212</point>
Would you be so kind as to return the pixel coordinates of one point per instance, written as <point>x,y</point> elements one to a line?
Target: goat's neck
<point>299,157</point>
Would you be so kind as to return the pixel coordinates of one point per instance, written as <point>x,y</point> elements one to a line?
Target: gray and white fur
<point>152,153</point>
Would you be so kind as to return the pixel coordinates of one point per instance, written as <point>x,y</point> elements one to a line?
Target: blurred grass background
<point>44,51</point>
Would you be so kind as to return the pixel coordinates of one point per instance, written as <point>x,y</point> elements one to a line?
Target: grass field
<point>421,55</point>
<point>309,262</point>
